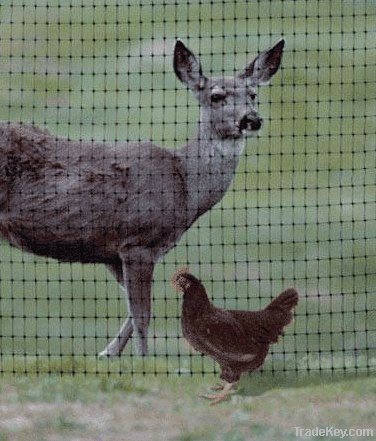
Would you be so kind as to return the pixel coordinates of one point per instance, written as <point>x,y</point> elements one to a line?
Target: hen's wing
<point>220,334</point>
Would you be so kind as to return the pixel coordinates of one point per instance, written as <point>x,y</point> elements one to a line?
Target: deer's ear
<point>188,68</point>
<point>265,65</point>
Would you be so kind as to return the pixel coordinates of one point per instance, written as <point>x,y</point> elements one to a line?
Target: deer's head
<point>228,105</point>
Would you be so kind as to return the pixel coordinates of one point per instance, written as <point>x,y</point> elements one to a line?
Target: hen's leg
<point>219,386</point>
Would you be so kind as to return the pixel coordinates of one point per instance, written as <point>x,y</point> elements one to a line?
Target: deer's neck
<point>210,164</point>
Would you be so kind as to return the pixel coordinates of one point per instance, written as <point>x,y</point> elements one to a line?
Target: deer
<point>126,204</point>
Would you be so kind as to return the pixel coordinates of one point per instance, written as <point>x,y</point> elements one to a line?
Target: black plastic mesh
<point>301,211</point>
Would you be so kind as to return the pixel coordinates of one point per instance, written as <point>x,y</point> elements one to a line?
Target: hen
<point>238,340</point>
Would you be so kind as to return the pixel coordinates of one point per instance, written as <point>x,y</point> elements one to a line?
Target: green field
<point>301,210</point>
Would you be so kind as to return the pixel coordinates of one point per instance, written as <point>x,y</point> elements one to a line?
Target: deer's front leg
<point>138,268</point>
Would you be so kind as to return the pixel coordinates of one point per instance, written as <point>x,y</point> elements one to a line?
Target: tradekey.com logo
<point>331,431</point>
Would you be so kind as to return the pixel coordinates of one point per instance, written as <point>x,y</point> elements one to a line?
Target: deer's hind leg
<point>117,345</point>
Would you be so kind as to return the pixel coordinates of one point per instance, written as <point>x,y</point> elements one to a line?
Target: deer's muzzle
<point>250,123</point>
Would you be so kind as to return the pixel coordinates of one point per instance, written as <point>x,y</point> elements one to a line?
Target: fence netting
<point>301,210</point>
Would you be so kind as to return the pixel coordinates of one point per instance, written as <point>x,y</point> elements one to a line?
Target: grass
<point>126,408</point>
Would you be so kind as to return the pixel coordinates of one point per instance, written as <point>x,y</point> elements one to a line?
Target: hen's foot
<point>225,391</point>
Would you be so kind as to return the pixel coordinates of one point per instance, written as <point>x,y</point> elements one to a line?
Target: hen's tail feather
<point>286,301</point>
<point>182,279</point>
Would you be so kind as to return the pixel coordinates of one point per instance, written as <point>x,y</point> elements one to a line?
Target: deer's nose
<point>250,122</point>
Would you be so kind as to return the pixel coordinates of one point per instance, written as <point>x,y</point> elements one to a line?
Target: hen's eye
<point>216,97</point>
<point>252,96</point>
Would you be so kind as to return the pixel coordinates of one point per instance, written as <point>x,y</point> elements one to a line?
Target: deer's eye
<point>216,97</point>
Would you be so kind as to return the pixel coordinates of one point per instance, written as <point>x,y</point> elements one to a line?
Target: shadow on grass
<point>258,383</point>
